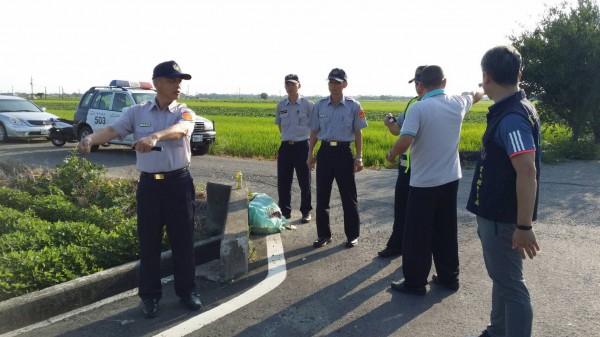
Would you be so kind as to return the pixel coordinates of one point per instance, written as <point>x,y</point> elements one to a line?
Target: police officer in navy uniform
<point>337,121</point>
<point>165,192</point>
<point>292,115</point>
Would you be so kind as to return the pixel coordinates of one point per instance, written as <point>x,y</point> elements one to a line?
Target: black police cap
<point>169,69</point>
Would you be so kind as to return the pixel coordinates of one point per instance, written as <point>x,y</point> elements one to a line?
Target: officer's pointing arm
<point>97,138</point>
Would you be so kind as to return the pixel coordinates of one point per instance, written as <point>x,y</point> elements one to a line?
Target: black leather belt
<point>165,175</point>
<point>292,142</point>
<point>334,143</point>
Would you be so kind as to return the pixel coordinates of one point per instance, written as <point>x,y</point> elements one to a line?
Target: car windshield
<point>17,105</point>
<point>143,97</point>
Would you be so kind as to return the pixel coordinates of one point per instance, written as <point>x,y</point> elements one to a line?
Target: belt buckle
<point>332,143</point>
<point>290,142</point>
<point>158,176</point>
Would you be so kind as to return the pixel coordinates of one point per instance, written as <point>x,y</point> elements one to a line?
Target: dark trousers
<point>430,229</point>
<point>336,162</point>
<point>289,158</point>
<point>400,200</point>
<point>168,202</point>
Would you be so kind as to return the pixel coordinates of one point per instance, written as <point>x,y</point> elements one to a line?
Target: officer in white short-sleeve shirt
<point>337,121</point>
<point>165,192</point>
<point>292,115</point>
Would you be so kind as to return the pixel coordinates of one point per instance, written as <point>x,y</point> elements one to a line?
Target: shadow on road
<point>315,314</point>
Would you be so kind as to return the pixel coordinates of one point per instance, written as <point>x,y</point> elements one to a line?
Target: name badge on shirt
<point>283,112</point>
<point>145,125</point>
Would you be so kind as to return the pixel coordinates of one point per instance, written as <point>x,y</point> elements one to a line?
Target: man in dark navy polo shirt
<point>504,192</point>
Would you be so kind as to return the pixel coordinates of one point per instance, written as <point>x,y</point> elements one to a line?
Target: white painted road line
<point>275,276</point>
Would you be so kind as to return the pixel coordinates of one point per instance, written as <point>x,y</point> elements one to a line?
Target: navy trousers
<point>168,202</point>
<point>400,201</point>
<point>337,162</point>
<point>430,230</point>
<point>289,158</point>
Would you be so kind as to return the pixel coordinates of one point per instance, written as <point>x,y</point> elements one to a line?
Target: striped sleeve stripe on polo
<point>516,141</point>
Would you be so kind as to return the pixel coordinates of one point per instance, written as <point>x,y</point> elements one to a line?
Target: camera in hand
<point>391,119</point>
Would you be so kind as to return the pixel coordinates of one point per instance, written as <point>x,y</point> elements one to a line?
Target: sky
<point>247,47</point>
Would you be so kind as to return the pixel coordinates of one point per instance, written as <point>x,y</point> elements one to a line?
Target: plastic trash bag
<point>264,216</point>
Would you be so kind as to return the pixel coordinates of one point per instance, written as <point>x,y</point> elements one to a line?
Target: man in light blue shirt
<point>292,116</point>
<point>432,130</point>
<point>337,121</point>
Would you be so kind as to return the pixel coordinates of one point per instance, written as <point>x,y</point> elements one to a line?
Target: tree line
<point>561,67</point>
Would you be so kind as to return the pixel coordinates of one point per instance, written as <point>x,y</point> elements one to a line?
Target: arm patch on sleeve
<point>187,116</point>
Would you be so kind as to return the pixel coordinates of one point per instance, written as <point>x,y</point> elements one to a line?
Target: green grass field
<point>246,128</point>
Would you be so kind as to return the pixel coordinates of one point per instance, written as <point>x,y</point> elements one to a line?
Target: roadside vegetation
<point>57,225</point>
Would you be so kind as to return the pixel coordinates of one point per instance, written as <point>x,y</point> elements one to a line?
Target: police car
<point>100,106</point>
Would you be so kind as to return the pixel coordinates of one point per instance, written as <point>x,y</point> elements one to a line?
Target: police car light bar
<point>130,84</point>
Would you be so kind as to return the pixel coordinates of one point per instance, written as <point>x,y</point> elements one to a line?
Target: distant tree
<point>264,95</point>
<point>562,66</point>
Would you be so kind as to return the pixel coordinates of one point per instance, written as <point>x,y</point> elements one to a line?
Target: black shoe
<point>402,287</point>
<point>452,285</point>
<point>150,309</point>
<point>483,334</point>
<point>351,243</point>
<point>321,242</point>
<point>287,216</point>
<point>306,218</point>
<point>389,252</point>
<point>192,301</point>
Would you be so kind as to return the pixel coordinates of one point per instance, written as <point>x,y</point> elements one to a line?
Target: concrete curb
<point>34,307</point>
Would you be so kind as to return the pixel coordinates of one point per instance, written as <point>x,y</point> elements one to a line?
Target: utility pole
<point>31,83</point>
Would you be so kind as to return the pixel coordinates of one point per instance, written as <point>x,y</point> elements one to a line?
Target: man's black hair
<point>503,64</point>
<point>432,76</point>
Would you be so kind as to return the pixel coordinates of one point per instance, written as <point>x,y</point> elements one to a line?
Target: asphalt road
<point>335,291</point>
